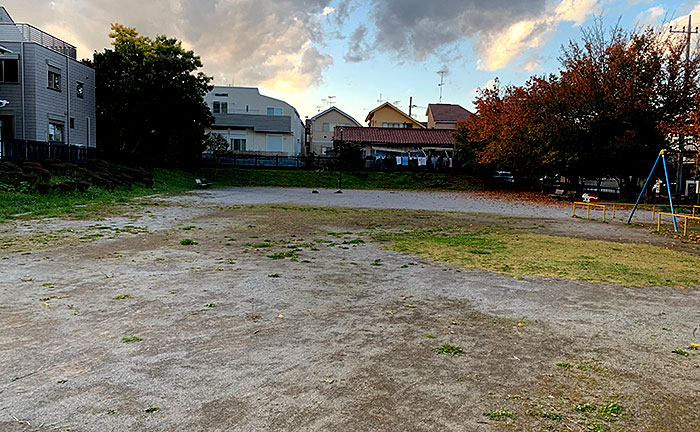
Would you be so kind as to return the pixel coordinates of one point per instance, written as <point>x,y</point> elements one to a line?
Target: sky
<point>356,54</point>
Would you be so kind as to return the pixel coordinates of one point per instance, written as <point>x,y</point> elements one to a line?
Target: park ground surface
<point>253,309</point>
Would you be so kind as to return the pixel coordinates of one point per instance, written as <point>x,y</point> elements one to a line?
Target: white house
<point>255,124</point>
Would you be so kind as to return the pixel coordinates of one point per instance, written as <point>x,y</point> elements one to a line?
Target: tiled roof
<point>448,112</point>
<point>425,137</point>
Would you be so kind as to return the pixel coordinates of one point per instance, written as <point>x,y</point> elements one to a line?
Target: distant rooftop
<point>15,32</point>
<point>448,113</point>
<point>407,136</point>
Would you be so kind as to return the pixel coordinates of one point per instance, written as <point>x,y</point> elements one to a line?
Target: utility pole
<point>442,74</point>
<point>411,106</point>
<point>681,139</point>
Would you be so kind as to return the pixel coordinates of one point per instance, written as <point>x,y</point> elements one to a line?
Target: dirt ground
<point>287,315</point>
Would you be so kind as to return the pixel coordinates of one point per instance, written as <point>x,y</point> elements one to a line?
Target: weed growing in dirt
<point>611,411</point>
<point>584,407</point>
<point>551,415</point>
<point>329,381</point>
<point>273,275</point>
<point>110,412</point>
<point>188,242</point>
<point>448,349</point>
<point>131,339</point>
<point>187,228</point>
<point>258,245</point>
<point>210,305</point>
<point>377,262</point>
<point>499,415</point>
<point>430,336</point>
<point>680,352</point>
<point>122,297</point>
<point>152,409</point>
<point>565,365</point>
<point>283,255</point>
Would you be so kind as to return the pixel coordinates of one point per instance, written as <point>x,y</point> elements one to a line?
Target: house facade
<point>446,116</point>
<point>255,124</point>
<point>322,126</point>
<point>388,116</point>
<point>50,95</point>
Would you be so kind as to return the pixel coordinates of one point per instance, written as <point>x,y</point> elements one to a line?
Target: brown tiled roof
<point>448,113</point>
<point>425,137</point>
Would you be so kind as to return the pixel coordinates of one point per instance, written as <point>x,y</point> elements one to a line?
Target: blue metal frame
<point>662,156</point>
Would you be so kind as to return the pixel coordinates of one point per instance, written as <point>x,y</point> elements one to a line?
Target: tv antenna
<point>330,100</point>
<point>442,74</point>
<point>380,100</point>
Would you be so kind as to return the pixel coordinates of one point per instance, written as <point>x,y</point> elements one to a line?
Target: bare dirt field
<point>278,309</point>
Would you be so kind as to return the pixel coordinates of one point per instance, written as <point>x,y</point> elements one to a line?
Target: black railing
<point>370,163</point>
<point>37,151</point>
<point>33,34</point>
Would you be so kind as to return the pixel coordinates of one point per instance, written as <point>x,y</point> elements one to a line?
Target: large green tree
<point>150,99</point>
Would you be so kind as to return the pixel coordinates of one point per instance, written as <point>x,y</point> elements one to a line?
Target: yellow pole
<point>574,213</point>
<point>604,211</point>
<point>653,212</point>
<point>613,211</point>
<point>685,226</point>
<point>658,225</point>
<point>588,213</point>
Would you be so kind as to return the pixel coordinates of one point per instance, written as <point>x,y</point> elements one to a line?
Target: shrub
<point>82,186</point>
<point>43,174</point>
<point>42,187</point>
<point>65,187</point>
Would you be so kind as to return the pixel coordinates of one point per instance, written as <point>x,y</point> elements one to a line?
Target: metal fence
<point>33,34</point>
<point>369,163</point>
<point>37,151</point>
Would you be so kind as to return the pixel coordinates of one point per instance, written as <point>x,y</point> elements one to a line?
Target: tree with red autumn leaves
<point>618,99</point>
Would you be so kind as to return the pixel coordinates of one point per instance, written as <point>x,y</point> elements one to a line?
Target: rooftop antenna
<point>442,74</point>
<point>319,107</point>
<point>396,103</point>
<point>380,100</point>
<point>330,100</point>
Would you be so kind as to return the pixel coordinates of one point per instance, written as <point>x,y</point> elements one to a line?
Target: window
<point>54,80</point>
<point>72,123</point>
<point>79,89</point>
<point>55,131</point>
<point>275,143</point>
<point>9,70</point>
<point>220,107</point>
<point>238,144</point>
<point>326,127</point>
<point>397,125</point>
<point>221,94</point>
<point>274,111</point>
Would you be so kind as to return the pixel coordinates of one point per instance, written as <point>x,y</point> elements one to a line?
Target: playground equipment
<point>662,156</point>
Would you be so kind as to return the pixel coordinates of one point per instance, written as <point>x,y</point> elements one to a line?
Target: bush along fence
<point>369,163</point>
<point>37,151</point>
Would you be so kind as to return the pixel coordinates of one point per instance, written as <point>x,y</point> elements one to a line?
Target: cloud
<point>248,42</point>
<point>358,50</point>
<point>502,29</point>
<point>651,17</point>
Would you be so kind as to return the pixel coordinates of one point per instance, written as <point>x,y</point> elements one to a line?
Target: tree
<point>218,146</point>
<point>618,99</point>
<point>150,99</point>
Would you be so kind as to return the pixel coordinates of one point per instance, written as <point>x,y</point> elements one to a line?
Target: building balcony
<point>32,34</point>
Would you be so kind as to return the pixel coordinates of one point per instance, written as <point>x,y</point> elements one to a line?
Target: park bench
<point>561,195</point>
<point>201,183</point>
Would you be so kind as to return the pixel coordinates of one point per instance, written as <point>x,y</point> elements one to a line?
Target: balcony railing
<point>33,34</point>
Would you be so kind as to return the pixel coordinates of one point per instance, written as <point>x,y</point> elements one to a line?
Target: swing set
<point>662,157</point>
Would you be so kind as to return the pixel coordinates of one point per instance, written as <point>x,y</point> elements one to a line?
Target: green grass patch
<point>450,350</point>
<point>188,242</point>
<point>499,415</point>
<point>519,254</point>
<point>122,297</point>
<point>15,204</point>
<point>131,339</point>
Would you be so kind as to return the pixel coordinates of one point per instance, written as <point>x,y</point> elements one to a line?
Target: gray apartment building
<point>50,95</point>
